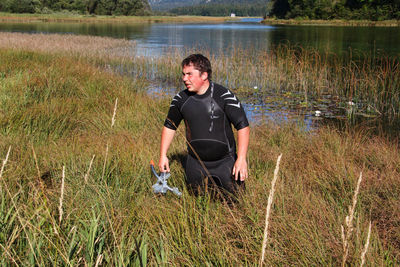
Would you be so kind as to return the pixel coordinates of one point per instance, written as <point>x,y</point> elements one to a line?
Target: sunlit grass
<point>56,110</point>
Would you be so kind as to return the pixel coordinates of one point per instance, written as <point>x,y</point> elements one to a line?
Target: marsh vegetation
<point>57,131</point>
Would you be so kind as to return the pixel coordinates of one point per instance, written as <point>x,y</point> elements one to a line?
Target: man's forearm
<point>243,142</point>
<point>166,139</point>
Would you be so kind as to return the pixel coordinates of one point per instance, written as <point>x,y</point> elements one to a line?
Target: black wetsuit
<point>208,119</point>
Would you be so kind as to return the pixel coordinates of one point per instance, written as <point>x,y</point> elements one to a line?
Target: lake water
<point>153,39</point>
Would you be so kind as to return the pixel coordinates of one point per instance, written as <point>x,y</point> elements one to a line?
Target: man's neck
<point>204,88</point>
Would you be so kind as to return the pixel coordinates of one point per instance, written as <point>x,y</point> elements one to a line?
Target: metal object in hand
<point>161,186</point>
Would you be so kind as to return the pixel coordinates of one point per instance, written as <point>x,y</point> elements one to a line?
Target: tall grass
<point>62,107</point>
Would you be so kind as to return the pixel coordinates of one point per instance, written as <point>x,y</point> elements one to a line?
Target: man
<point>208,110</point>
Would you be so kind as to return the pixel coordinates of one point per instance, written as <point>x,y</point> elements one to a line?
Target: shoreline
<point>336,22</point>
<point>71,18</point>
<point>32,18</point>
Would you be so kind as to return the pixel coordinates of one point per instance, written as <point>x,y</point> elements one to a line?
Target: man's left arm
<point>240,166</point>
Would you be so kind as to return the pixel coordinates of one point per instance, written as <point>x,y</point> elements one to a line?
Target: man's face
<point>194,80</point>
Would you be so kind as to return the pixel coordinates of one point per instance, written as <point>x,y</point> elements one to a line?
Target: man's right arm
<point>166,139</point>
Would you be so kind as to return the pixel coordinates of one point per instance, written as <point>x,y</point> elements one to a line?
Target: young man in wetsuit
<point>208,110</point>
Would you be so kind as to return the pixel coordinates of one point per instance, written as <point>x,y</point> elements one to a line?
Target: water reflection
<point>154,38</point>
<point>213,37</point>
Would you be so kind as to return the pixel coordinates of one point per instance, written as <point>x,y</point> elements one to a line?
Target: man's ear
<point>204,76</point>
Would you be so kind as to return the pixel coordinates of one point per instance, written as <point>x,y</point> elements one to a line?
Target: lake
<point>153,38</point>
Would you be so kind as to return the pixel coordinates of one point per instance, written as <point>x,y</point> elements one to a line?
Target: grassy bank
<point>11,17</point>
<point>56,111</point>
<point>335,22</point>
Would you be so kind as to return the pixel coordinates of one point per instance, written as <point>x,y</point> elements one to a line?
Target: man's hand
<point>240,167</point>
<point>163,164</point>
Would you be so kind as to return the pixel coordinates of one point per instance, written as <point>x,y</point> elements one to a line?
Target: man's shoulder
<point>180,98</point>
<point>219,90</point>
<point>184,94</point>
<point>222,92</point>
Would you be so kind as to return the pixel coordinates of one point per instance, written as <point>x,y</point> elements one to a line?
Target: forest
<point>222,8</point>
<point>93,7</point>
<point>337,9</point>
<point>301,9</point>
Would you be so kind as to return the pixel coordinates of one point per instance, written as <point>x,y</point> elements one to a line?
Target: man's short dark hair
<point>199,62</point>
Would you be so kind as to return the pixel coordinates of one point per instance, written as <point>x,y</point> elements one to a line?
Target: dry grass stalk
<point>105,161</point>
<point>115,112</point>
<point>39,179</point>
<point>365,250</point>
<point>4,162</point>
<point>108,144</point>
<point>270,199</point>
<point>90,167</point>
<point>62,195</point>
<point>36,164</point>
<point>99,260</point>
<point>346,233</point>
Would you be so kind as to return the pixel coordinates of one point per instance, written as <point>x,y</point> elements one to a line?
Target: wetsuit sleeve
<point>174,116</point>
<point>235,113</point>
<point>234,109</point>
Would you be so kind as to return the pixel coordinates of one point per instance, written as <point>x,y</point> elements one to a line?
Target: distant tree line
<point>305,9</point>
<point>337,9</point>
<point>259,8</point>
<point>97,7</point>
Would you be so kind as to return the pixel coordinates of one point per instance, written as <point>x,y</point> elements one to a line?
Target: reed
<point>370,81</point>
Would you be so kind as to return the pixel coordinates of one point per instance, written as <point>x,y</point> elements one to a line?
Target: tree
<point>280,8</point>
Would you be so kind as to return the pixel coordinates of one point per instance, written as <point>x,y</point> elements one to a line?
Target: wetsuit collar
<point>207,93</point>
